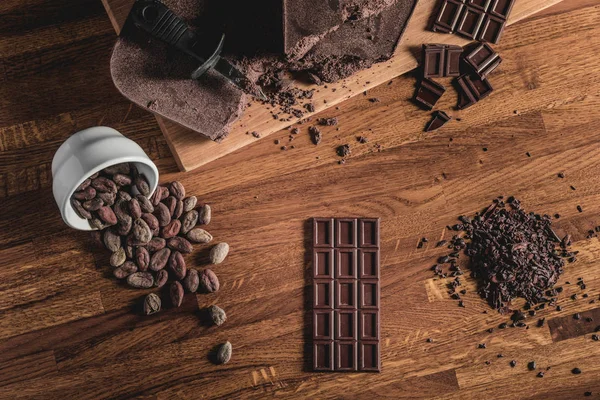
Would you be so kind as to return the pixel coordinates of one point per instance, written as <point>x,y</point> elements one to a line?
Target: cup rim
<point>119,160</point>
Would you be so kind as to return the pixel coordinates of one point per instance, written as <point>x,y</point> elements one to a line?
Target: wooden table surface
<point>67,329</point>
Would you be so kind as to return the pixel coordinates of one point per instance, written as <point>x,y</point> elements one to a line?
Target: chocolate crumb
<point>528,154</point>
<point>362,139</point>
<point>561,175</point>
<point>328,121</point>
<point>343,150</point>
<point>540,374</point>
<point>531,365</point>
<point>579,208</point>
<point>576,371</point>
<point>255,134</point>
<point>513,363</point>
<point>309,107</point>
<point>277,141</point>
<point>373,99</point>
<point>315,134</point>
<point>429,340</point>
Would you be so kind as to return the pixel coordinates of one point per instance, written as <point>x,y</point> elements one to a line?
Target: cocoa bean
<point>191,281</point>
<point>86,194</point>
<point>178,209</point>
<point>177,265</point>
<point>204,215</point>
<point>224,353</point>
<point>180,244</point>
<point>162,213</point>
<point>125,270</point>
<point>83,185</point>
<point>107,197</point>
<point>106,214</point>
<point>122,168</point>
<point>170,202</point>
<point>150,220</point>
<point>217,314</point>
<point>188,221</point>
<point>189,203</point>
<point>142,185</point>
<point>199,235</point>
<point>159,194</point>
<point>162,277</point>
<point>152,304</point>
<point>209,283</point>
<point>79,210</point>
<point>118,257</point>
<point>172,229</point>
<point>176,294</point>
<point>121,179</point>
<point>93,204</point>
<point>121,210</point>
<point>177,190</point>
<point>102,184</point>
<point>159,259</point>
<point>141,231</point>
<point>112,241</point>
<point>123,228</point>
<point>123,195</point>
<point>142,258</point>
<point>140,280</point>
<point>218,253</point>
<point>145,204</point>
<point>129,252</point>
<point>134,209</point>
<point>95,223</point>
<point>156,244</point>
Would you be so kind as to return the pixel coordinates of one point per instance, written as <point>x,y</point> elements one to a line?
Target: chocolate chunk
<point>483,60</point>
<point>471,90</point>
<point>428,93</point>
<point>440,119</point>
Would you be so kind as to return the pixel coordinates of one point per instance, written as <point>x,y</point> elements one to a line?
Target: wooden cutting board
<point>191,150</point>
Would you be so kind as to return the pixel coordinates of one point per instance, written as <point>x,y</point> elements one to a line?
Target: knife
<point>156,19</point>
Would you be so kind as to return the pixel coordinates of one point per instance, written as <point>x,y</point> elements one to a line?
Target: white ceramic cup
<point>84,154</point>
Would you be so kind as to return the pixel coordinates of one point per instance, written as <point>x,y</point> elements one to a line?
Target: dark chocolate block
<point>441,60</point>
<point>447,17</point>
<point>440,119</point>
<point>346,294</point>
<point>492,29</point>
<point>472,89</point>
<point>428,93</point>
<point>470,22</point>
<point>483,60</point>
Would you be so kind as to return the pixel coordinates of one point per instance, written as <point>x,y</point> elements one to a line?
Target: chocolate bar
<point>346,294</point>
<point>482,20</point>
<point>441,60</point>
<point>472,88</point>
<point>440,119</point>
<point>483,60</point>
<point>428,93</point>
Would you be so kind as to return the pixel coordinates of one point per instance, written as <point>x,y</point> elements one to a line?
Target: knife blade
<point>156,19</point>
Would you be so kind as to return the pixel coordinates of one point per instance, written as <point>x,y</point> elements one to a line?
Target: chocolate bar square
<point>501,8</point>
<point>470,22</point>
<point>428,93</point>
<point>433,60</point>
<point>452,68</point>
<point>447,16</point>
<point>323,232</point>
<point>369,356</point>
<point>323,263</point>
<point>345,263</point>
<point>346,357</point>
<point>323,356</point>
<point>323,294</point>
<point>492,29</point>
<point>482,5</point>
<point>483,60</point>
<point>346,325</point>
<point>345,232</point>
<point>368,263</point>
<point>323,324</point>
<point>369,324</point>
<point>369,294</point>
<point>345,294</point>
<point>368,232</point>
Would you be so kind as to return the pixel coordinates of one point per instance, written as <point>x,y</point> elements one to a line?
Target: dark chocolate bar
<point>472,88</point>
<point>483,60</point>
<point>482,20</point>
<point>440,119</point>
<point>441,60</point>
<point>346,294</point>
<point>428,93</point>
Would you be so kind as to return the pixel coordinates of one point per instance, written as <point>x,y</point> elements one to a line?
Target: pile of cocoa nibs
<point>512,254</point>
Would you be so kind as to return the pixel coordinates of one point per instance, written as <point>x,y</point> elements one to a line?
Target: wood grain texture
<point>69,330</point>
<point>192,150</point>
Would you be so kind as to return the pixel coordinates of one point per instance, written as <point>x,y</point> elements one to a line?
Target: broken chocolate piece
<point>447,17</point>
<point>441,60</point>
<point>428,93</point>
<point>472,89</point>
<point>439,119</point>
<point>483,60</point>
